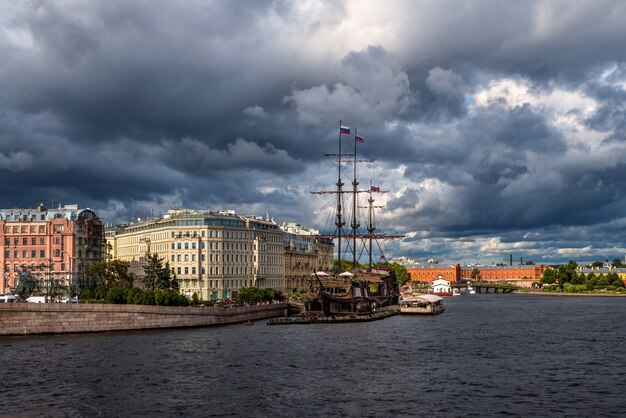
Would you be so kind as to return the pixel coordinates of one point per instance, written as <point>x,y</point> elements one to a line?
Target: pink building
<point>54,245</point>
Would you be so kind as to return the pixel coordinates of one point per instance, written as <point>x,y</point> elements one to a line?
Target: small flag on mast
<point>375,189</point>
<point>359,138</point>
<point>344,129</point>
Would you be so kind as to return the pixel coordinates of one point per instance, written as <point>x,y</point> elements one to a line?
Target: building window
<point>33,254</point>
<point>57,253</point>
<point>178,270</point>
<point>193,270</point>
<point>193,245</point>
<point>42,229</point>
<point>41,241</point>
<point>24,229</point>
<point>32,229</point>
<point>58,229</point>
<point>24,254</point>
<point>186,270</point>
<point>42,253</point>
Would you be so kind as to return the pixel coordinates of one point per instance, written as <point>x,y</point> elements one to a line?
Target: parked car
<point>8,299</point>
<point>71,300</point>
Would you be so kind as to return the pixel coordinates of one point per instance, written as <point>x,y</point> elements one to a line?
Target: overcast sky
<point>498,127</point>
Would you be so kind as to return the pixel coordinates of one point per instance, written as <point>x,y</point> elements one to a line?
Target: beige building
<point>212,254</point>
<point>305,253</point>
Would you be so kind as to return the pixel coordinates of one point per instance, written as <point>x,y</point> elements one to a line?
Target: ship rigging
<point>355,235</point>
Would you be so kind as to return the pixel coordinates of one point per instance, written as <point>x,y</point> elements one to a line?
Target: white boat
<point>456,292</point>
<point>422,305</point>
<point>471,290</point>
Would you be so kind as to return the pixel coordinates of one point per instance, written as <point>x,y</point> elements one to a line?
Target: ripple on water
<point>510,355</point>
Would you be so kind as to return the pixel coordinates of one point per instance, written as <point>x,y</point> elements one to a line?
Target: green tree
<point>402,276</point>
<point>475,274</point>
<point>26,286</point>
<point>579,279</point>
<point>615,280</point>
<point>158,275</point>
<point>56,288</point>
<point>597,264</point>
<point>113,273</point>
<point>549,276</point>
<point>345,265</point>
<point>566,273</point>
<point>253,295</point>
<point>616,262</point>
<point>602,281</point>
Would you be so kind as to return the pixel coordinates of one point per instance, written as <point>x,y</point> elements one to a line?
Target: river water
<point>486,355</point>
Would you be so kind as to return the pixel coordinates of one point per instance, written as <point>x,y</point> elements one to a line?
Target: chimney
<point>510,259</point>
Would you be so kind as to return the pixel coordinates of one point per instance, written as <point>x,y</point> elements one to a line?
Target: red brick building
<point>51,244</point>
<point>522,275</point>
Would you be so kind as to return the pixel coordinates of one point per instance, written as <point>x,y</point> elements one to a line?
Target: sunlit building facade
<point>521,275</point>
<point>212,254</point>
<point>53,245</point>
<point>305,252</point>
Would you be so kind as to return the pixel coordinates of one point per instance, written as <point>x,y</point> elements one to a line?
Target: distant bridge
<point>487,287</point>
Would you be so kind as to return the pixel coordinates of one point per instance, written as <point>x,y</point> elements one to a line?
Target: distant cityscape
<point>213,254</point>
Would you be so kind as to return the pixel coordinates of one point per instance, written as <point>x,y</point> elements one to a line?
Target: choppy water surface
<point>486,355</point>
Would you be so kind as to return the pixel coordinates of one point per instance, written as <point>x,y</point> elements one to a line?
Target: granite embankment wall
<point>57,318</point>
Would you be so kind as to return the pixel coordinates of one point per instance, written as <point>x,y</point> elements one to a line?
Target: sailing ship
<point>360,291</point>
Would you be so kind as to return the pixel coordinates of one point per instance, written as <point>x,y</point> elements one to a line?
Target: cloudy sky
<point>498,127</point>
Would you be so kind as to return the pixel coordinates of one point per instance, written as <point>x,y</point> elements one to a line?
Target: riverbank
<point>535,292</point>
<point>60,318</point>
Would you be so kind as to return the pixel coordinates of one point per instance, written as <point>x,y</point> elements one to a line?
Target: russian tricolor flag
<point>359,138</point>
<point>375,189</point>
<point>344,129</point>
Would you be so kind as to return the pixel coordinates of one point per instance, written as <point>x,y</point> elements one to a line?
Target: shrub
<point>116,295</point>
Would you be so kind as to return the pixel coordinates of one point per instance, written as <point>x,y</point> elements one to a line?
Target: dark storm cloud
<point>127,107</point>
<point>191,156</point>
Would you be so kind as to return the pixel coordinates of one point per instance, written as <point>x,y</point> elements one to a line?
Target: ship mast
<point>355,225</point>
<point>370,224</point>
<point>339,222</point>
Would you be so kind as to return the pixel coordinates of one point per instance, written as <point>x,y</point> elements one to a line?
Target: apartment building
<point>54,245</point>
<point>305,253</point>
<point>212,254</point>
